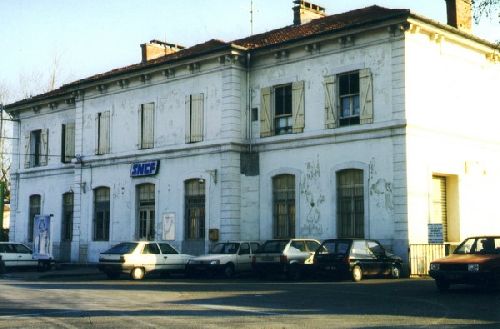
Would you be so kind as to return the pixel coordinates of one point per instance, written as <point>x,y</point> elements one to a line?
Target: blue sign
<point>147,168</point>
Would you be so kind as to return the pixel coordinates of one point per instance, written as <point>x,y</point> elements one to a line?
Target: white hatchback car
<point>17,255</point>
<point>141,257</point>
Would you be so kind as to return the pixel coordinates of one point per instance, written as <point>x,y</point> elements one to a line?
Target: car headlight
<point>434,267</point>
<point>215,262</point>
<point>473,267</point>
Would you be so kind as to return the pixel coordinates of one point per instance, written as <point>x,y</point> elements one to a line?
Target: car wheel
<point>112,275</point>
<point>395,272</point>
<point>442,285</point>
<point>137,273</point>
<point>357,274</point>
<point>294,273</point>
<point>229,271</point>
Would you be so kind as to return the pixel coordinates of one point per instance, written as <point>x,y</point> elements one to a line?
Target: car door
<point>380,262</point>
<point>171,259</point>
<point>361,255</point>
<point>244,257</point>
<point>151,257</point>
<point>24,255</point>
<point>9,257</point>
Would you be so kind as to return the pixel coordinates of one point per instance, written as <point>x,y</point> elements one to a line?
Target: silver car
<point>18,255</point>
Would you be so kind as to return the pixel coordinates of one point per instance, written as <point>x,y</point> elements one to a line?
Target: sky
<point>88,37</point>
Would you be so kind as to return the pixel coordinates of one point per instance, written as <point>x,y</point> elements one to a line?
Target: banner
<point>42,247</point>
<point>169,226</point>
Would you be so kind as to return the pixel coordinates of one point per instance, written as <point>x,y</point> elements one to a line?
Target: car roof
<point>238,241</point>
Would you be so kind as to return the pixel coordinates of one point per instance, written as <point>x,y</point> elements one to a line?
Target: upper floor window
<point>194,118</point>
<point>348,99</point>
<point>282,109</point>
<point>67,142</point>
<point>146,126</point>
<point>102,123</point>
<point>36,148</point>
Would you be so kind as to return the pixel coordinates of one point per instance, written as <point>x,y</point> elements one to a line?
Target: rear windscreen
<point>122,248</point>
<point>273,247</point>
<point>335,247</point>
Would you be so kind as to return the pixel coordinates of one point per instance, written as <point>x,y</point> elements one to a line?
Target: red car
<point>475,261</point>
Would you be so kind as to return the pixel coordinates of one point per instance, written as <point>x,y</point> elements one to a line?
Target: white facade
<point>430,111</point>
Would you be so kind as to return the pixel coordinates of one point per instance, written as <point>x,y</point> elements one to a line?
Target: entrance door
<point>146,212</point>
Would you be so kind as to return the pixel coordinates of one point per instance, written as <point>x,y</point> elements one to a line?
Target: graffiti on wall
<point>381,190</point>
<point>310,187</point>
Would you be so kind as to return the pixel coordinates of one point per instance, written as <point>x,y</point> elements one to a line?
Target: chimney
<point>155,49</point>
<point>459,14</point>
<point>304,12</point>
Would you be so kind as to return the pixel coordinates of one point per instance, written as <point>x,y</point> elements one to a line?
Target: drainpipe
<point>249,104</point>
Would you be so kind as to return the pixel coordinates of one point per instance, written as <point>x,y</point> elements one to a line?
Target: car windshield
<point>334,247</point>
<point>483,246</point>
<point>225,248</point>
<point>122,248</point>
<point>273,246</point>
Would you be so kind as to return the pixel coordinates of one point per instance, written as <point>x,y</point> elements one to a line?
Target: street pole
<point>2,183</point>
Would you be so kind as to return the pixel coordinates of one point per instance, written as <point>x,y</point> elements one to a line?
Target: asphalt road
<point>94,302</point>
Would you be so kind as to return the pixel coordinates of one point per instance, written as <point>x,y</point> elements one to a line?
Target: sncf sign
<point>146,168</point>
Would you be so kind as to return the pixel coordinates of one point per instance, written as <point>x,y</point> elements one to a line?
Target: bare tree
<point>486,8</point>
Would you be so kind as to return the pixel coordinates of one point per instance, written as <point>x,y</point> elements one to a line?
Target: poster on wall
<point>169,226</point>
<point>435,233</point>
<point>41,237</point>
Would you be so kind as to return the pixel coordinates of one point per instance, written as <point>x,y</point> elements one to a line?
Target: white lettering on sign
<point>144,168</point>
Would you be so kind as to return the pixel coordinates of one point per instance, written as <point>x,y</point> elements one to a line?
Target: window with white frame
<point>67,142</point>
<point>348,99</point>
<point>146,125</point>
<point>282,109</point>
<point>36,148</point>
<point>102,124</point>
<point>194,118</point>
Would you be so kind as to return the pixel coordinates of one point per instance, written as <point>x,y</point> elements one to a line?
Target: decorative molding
<point>193,67</point>
<point>169,73</point>
<point>347,40</point>
<point>78,94</point>
<point>145,77</point>
<point>102,88</point>
<point>312,48</point>
<point>282,54</point>
<point>53,105</point>
<point>70,100</point>
<point>123,83</point>
<point>36,108</point>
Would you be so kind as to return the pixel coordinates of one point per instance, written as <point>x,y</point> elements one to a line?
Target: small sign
<point>41,241</point>
<point>435,233</point>
<point>147,168</point>
<point>169,226</point>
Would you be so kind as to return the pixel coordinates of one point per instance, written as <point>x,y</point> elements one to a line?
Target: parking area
<point>85,298</point>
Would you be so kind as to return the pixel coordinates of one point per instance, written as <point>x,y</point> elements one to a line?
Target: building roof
<point>273,38</point>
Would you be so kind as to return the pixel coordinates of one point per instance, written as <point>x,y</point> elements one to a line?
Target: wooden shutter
<point>197,118</point>
<point>298,106</point>
<point>27,150</point>
<point>140,126</point>
<point>265,112</point>
<point>366,96</point>
<point>105,125</point>
<point>330,101</point>
<point>44,147</point>
<point>188,118</point>
<point>97,133</point>
<point>146,125</point>
<point>69,141</point>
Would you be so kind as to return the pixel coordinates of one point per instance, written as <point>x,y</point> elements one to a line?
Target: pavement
<point>59,271</point>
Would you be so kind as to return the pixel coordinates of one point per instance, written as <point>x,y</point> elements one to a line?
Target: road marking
<point>234,309</point>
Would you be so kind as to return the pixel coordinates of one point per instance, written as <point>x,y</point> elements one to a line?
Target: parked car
<point>355,258</point>
<point>225,258</point>
<point>475,261</point>
<point>140,258</point>
<point>285,256</point>
<point>18,255</point>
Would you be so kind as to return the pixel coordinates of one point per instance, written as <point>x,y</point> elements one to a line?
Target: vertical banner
<point>41,240</point>
<point>169,226</point>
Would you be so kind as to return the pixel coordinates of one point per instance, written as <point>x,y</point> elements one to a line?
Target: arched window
<point>146,211</point>
<point>101,214</point>
<point>67,219</point>
<point>284,206</point>
<point>35,209</point>
<point>350,204</point>
<point>195,209</point>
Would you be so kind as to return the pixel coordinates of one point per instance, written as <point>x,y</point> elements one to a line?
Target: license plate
<point>330,268</point>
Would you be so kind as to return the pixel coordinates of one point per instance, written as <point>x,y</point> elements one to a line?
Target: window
<point>284,206</point>
<point>282,109</point>
<point>36,148</point>
<point>101,214</point>
<point>67,142</point>
<point>439,213</point>
<point>167,249</point>
<point>348,99</point>
<point>67,219</point>
<point>195,209</point>
<point>194,118</point>
<point>151,249</point>
<point>102,132</point>
<point>35,209</point>
<point>146,126</point>
<point>146,206</point>
<point>350,204</point>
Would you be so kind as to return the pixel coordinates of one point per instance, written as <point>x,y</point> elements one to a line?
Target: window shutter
<point>298,105</point>
<point>149,114</point>
<point>330,102</point>
<point>97,133</point>
<point>265,112</point>
<point>188,119</point>
<point>197,118</point>
<point>366,96</point>
<point>44,147</point>
<point>140,127</point>
<point>105,123</point>
<point>69,141</point>
<point>27,149</point>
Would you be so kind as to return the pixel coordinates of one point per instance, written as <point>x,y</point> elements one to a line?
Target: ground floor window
<point>35,209</point>
<point>350,204</point>
<point>67,218</point>
<point>195,209</point>
<point>146,211</point>
<point>439,204</point>
<point>284,206</point>
<point>101,214</point>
